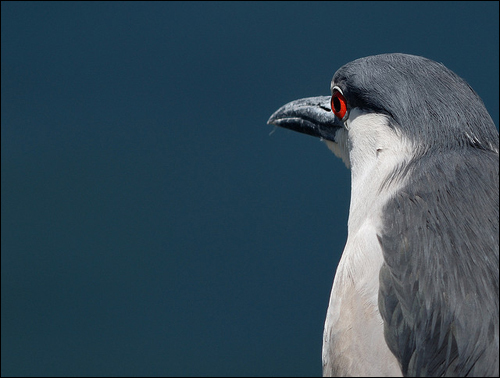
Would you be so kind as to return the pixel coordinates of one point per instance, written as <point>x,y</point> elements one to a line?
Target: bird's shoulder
<point>438,292</point>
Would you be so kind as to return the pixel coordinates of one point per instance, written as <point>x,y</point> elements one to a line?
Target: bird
<point>415,292</point>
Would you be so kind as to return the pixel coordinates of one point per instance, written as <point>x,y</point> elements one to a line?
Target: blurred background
<point>152,223</point>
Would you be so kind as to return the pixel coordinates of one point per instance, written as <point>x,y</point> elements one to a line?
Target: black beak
<point>311,115</point>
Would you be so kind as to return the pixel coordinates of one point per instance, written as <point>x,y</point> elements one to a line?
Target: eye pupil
<point>336,104</point>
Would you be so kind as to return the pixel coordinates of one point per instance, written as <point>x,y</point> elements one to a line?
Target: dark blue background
<point>150,223</point>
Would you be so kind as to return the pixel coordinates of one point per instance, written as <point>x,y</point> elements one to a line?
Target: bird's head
<point>393,101</point>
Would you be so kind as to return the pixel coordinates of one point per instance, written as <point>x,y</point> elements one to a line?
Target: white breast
<point>353,341</point>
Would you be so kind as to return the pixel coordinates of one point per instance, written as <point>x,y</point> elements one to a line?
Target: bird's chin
<point>340,148</point>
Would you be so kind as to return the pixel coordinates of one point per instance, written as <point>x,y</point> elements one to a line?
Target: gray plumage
<point>439,283</point>
<point>416,292</point>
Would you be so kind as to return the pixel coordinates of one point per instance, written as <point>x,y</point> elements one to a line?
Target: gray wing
<point>438,292</point>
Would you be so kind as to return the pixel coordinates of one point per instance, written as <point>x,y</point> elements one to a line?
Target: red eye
<point>339,104</point>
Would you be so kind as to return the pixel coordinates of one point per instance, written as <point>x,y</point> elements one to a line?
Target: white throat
<point>372,149</point>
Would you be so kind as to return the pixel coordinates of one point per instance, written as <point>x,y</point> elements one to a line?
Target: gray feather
<point>439,283</point>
